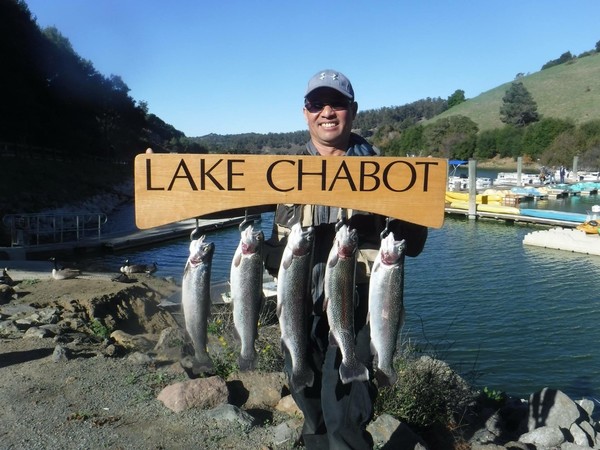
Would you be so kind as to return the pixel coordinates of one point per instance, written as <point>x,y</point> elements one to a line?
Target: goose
<point>5,278</point>
<point>63,273</point>
<point>128,269</point>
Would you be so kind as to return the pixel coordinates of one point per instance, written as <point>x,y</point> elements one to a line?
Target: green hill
<point>566,91</point>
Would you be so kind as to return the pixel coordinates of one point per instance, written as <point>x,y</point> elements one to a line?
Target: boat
<point>452,196</point>
<point>589,227</point>
<point>586,176</point>
<point>510,178</point>
<point>555,215</point>
<point>461,182</point>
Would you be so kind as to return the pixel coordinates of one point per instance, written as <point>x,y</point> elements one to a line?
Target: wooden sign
<point>173,187</point>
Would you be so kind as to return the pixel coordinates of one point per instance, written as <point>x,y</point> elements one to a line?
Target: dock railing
<point>39,229</point>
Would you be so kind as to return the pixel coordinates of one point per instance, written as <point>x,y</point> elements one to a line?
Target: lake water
<point>507,316</point>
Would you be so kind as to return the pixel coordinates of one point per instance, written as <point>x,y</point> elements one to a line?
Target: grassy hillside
<point>570,90</point>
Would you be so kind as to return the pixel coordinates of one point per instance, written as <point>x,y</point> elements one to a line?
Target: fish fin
<point>237,258</point>
<point>236,335</point>
<point>332,340</point>
<point>357,372</point>
<point>333,260</point>
<point>373,349</point>
<point>286,259</point>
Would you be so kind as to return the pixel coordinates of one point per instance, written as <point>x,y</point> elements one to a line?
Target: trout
<point>293,300</point>
<point>386,305</point>
<point>195,302</point>
<point>340,301</point>
<point>246,280</point>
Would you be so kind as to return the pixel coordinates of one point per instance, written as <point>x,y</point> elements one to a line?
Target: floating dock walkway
<point>115,242</point>
<point>514,218</point>
<point>565,239</point>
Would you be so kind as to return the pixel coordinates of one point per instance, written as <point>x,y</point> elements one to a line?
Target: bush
<point>428,393</point>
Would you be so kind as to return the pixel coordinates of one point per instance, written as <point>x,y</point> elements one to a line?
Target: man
<point>336,414</point>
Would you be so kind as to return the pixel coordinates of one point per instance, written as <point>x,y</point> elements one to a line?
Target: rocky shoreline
<point>92,363</point>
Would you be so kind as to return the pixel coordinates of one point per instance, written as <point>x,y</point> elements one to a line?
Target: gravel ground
<point>92,401</point>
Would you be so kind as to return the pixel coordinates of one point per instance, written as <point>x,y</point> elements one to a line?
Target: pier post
<point>575,164</point>
<point>472,189</point>
<point>519,171</point>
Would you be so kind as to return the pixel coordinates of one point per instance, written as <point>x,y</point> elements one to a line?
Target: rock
<point>288,406</point>
<point>17,310</point>
<point>587,405</point>
<point>140,358</point>
<point>168,347</point>
<point>232,414</point>
<point>551,407</point>
<point>52,329</point>
<point>46,316</point>
<point>36,332</point>
<point>23,324</point>
<point>132,342</point>
<point>583,434</point>
<point>202,393</point>
<point>388,431</point>
<point>476,446</point>
<point>8,328</point>
<point>571,446</point>
<point>60,354</point>
<point>257,389</point>
<point>287,432</point>
<point>546,436</point>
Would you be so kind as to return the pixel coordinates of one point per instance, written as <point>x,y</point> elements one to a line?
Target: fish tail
<point>301,378</point>
<point>247,363</point>
<point>204,360</point>
<point>353,372</point>
<point>386,376</point>
<point>195,368</point>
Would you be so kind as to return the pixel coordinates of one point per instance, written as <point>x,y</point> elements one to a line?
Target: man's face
<point>329,116</point>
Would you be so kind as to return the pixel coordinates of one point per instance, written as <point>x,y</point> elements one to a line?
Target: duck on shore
<point>63,273</point>
<point>148,269</point>
<point>5,278</point>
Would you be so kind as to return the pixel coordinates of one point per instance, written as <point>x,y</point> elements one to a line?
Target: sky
<point>242,66</point>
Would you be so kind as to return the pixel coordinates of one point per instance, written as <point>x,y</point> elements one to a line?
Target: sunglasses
<point>317,106</point>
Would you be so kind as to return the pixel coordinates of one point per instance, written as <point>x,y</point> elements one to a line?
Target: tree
<point>518,107</point>
<point>451,137</point>
<point>539,136</point>
<point>457,98</point>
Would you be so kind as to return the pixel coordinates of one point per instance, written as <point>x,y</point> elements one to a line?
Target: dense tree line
<point>54,99</point>
<point>551,141</point>
<point>568,56</point>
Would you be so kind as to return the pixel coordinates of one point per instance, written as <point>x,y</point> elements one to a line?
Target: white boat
<point>510,178</point>
<point>462,184</point>
<point>586,176</point>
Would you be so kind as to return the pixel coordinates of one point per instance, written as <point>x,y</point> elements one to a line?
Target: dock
<point>116,242</point>
<point>515,218</point>
<point>575,241</point>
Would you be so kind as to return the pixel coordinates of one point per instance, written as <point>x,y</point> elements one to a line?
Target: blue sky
<point>239,66</point>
